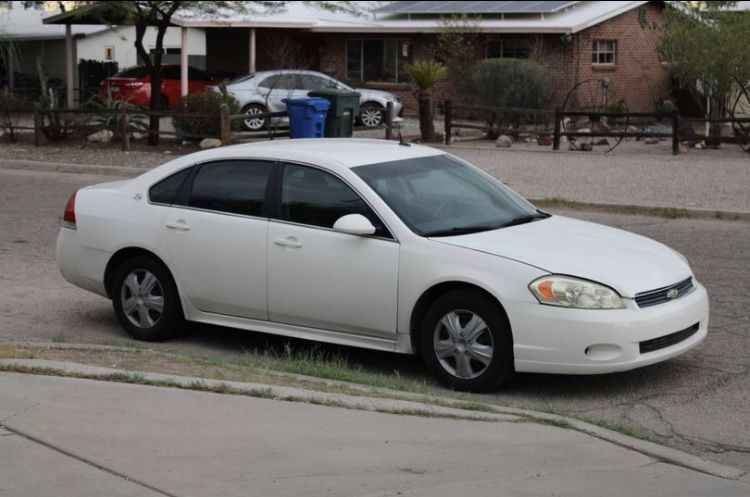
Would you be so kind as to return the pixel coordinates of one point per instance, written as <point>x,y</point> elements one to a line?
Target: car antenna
<point>401,140</point>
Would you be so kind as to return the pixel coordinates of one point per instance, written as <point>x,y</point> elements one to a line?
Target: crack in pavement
<point>60,450</point>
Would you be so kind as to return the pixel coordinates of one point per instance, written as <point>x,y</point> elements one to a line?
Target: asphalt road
<point>699,402</point>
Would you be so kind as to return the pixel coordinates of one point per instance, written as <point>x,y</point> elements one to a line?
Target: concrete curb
<point>690,212</point>
<point>503,414</point>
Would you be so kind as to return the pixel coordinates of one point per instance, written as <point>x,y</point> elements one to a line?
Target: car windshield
<point>442,196</point>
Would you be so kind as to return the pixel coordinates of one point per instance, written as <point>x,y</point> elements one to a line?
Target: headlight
<point>565,291</point>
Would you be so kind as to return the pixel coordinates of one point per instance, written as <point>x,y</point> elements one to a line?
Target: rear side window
<point>236,187</point>
<point>166,190</point>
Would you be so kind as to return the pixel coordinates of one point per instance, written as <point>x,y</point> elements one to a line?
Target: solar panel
<point>474,7</point>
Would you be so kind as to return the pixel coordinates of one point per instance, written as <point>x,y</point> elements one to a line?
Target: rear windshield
<point>132,72</point>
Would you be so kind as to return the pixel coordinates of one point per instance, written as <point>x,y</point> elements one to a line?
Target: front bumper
<point>575,341</point>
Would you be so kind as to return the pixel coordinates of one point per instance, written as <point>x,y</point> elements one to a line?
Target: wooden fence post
<point>675,133</point>
<point>448,110</point>
<point>389,120</point>
<point>37,125</point>
<point>125,128</point>
<point>225,130</point>
<point>556,137</point>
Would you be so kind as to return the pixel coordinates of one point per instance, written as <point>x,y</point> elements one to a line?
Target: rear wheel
<point>253,122</point>
<point>145,300</point>
<point>466,342</point>
<point>371,115</point>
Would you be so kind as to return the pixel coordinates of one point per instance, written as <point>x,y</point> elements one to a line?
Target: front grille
<point>668,340</point>
<point>662,295</point>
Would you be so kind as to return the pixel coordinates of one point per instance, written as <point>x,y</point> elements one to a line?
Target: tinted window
<point>314,197</point>
<point>132,72</point>
<point>237,187</point>
<point>311,82</point>
<point>287,81</point>
<point>166,190</point>
<point>197,75</point>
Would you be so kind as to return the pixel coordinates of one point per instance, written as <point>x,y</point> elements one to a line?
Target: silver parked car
<point>264,92</point>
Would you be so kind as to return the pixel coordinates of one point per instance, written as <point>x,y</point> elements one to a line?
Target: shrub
<point>108,113</point>
<point>426,74</point>
<point>517,83</point>
<point>209,103</point>
<point>12,109</point>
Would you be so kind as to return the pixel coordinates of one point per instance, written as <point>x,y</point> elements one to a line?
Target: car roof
<point>347,152</point>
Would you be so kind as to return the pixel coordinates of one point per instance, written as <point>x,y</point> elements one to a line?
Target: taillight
<point>69,217</point>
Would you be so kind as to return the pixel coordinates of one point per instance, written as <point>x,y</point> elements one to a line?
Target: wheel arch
<point>432,294</point>
<point>122,255</point>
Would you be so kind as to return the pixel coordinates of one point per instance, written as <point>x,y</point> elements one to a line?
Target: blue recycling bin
<point>307,116</point>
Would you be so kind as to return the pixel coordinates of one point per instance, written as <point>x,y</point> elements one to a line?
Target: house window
<point>508,49</point>
<point>377,60</point>
<point>603,52</point>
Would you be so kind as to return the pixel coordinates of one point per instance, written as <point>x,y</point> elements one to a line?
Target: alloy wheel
<point>254,123</point>
<point>371,116</point>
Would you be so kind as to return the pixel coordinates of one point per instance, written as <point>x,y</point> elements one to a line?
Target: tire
<point>254,124</point>
<point>163,103</point>
<point>371,115</point>
<point>155,313</point>
<point>475,356</point>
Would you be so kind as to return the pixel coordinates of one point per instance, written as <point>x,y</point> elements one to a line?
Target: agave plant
<point>426,74</point>
<point>107,112</point>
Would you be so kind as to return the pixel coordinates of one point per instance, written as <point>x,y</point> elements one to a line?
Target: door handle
<point>180,224</point>
<point>289,241</point>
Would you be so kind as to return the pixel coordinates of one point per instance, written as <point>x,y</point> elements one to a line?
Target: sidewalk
<point>64,436</point>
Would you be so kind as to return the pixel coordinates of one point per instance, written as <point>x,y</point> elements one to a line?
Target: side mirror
<point>354,224</point>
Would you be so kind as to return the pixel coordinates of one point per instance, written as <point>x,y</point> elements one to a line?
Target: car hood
<point>627,262</point>
<point>368,93</point>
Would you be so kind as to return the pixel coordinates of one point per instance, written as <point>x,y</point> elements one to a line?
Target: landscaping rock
<point>699,145</point>
<point>585,147</point>
<point>138,136</point>
<point>210,143</point>
<point>651,141</point>
<point>103,136</point>
<point>503,141</point>
<point>603,142</point>
<point>544,140</point>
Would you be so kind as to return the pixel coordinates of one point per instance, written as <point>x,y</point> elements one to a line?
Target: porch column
<point>11,80</point>
<point>69,66</point>
<point>184,63</point>
<point>251,57</point>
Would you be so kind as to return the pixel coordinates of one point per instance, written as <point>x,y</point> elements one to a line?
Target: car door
<point>215,234</point>
<point>277,87</point>
<point>321,278</point>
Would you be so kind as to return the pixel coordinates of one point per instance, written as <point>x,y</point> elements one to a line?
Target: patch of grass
<point>619,428</point>
<point>60,338</point>
<point>562,203</point>
<point>14,352</point>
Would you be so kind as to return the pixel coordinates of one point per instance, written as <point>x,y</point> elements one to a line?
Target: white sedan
<point>384,246</point>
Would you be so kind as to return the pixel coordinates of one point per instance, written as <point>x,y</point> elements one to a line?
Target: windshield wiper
<point>461,230</point>
<point>528,218</point>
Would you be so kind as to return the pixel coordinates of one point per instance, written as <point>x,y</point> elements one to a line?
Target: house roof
<point>20,24</point>
<point>559,17</point>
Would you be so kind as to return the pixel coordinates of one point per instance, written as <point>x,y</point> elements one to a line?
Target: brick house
<point>576,41</point>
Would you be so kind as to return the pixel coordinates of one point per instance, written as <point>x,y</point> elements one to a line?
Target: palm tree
<point>426,74</point>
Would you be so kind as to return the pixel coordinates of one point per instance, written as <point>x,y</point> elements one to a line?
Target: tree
<point>458,45</point>
<point>705,49</point>
<point>426,74</point>
<point>160,14</point>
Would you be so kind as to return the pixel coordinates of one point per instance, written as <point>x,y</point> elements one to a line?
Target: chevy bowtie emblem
<point>672,294</point>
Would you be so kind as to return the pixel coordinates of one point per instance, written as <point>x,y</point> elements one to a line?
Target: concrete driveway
<point>698,402</point>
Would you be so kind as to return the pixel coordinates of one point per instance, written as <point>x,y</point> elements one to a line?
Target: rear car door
<point>322,278</point>
<point>216,233</point>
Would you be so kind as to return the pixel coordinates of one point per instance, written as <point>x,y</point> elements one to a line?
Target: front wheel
<point>371,115</point>
<point>145,300</point>
<point>466,342</point>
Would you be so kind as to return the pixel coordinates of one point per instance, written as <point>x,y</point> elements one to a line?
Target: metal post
<point>556,138</point>
<point>389,120</point>
<point>184,63</point>
<point>675,133</point>
<point>11,80</point>
<point>448,109</point>
<point>69,66</point>
<point>224,125</point>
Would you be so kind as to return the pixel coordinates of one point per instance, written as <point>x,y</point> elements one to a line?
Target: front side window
<point>440,196</point>
<point>232,186</point>
<point>316,198</point>
<point>603,52</point>
<point>380,60</point>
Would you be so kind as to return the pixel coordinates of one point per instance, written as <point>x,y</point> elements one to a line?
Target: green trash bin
<point>344,108</point>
